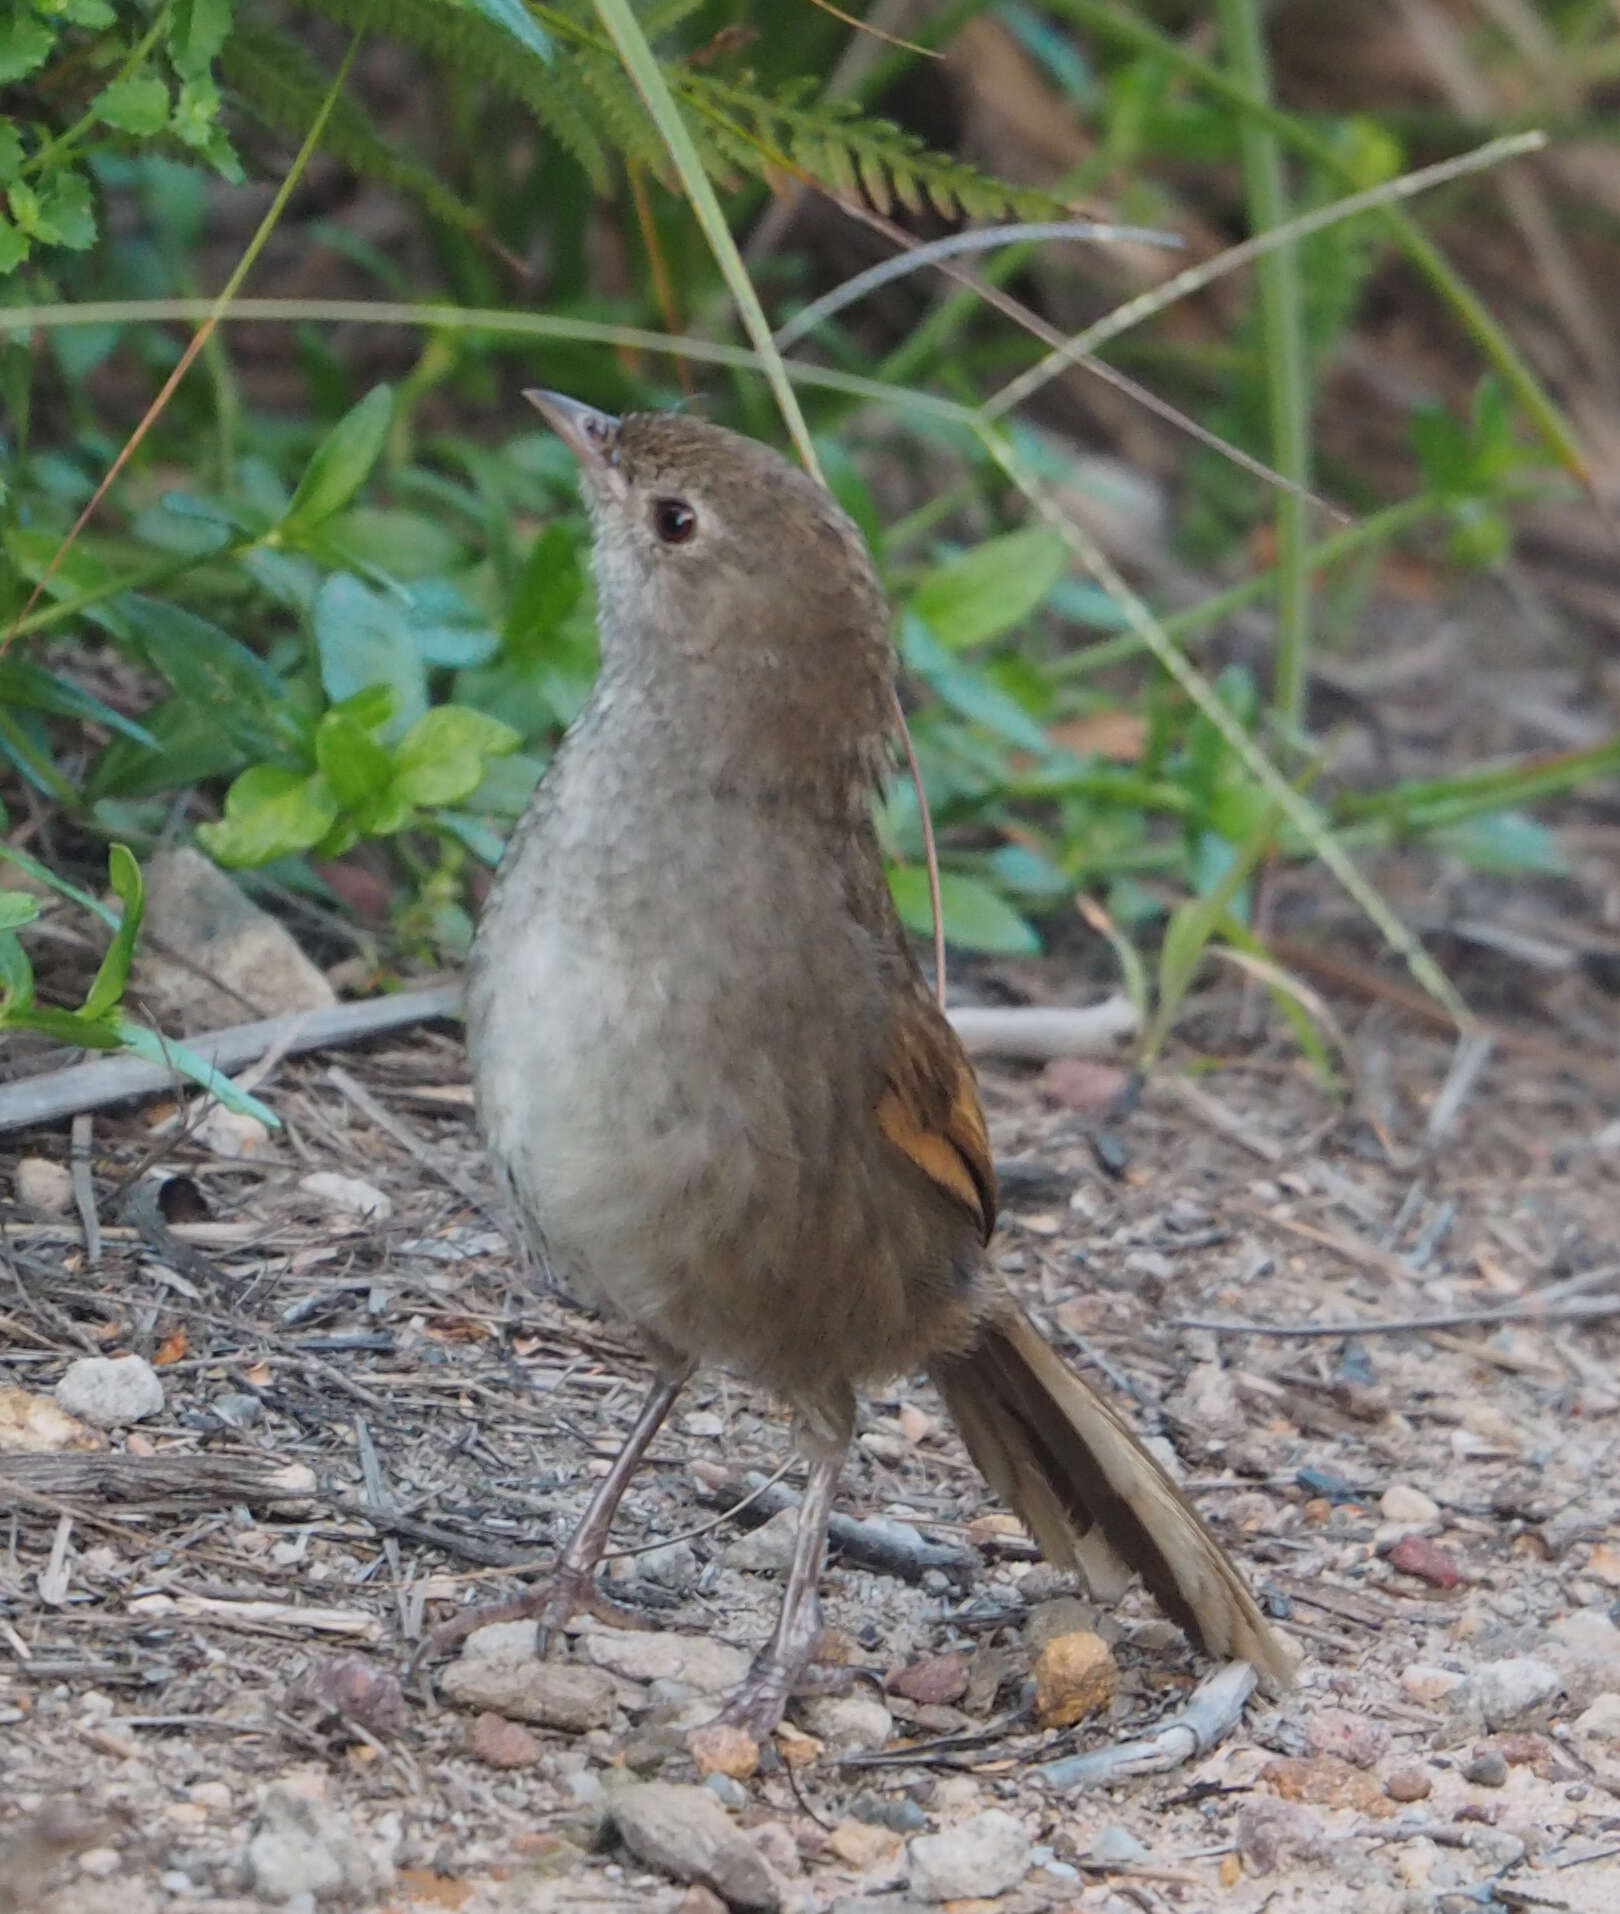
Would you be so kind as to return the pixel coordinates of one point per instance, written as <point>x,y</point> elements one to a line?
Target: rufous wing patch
<point>929,1108</point>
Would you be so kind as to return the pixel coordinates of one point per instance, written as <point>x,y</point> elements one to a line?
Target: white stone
<point>1424,1683</point>
<point>42,1186</point>
<point>110,1392</point>
<point>301,1848</point>
<point>1508,1691</point>
<point>708,1666</point>
<point>849,1724</point>
<point>210,956</point>
<point>1401,1503</point>
<point>975,1860</point>
<point>768,1548</point>
<point>1600,1722</point>
<point>231,1133</point>
<point>347,1194</point>
<point>684,1832</point>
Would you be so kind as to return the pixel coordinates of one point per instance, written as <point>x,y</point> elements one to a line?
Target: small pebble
<point>1487,1769</point>
<point>553,1694</point>
<point>1354,1738</point>
<point>769,1547</point>
<point>110,1392</point>
<point>1600,1722</point>
<point>897,1811</point>
<point>725,1789</point>
<point>1427,1560</point>
<point>42,1186</point>
<point>1508,1691</point>
<point>1116,1847</point>
<point>500,1743</point>
<point>934,1680</point>
<point>1075,1675</point>
<point>1402,1503</point>
<point>849,1724</point>
<point>348,1195</point>
<point>1424,1683</point>
<point>684,1832</point>
<point>1409,1784</point>
<point>1270,1831</point>
<point>861,1844</point>
<point>975,1860</point>
<point>719,1748</point>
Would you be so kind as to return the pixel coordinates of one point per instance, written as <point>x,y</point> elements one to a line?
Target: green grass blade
<point>641,64</point>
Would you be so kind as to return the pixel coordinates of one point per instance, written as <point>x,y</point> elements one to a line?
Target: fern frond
<point>625,119</point>
<point>459,38</point>
<point>278,84</point>
<point>857,156</point>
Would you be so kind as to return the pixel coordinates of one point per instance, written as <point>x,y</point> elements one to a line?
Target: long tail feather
<point>1092,1496</point>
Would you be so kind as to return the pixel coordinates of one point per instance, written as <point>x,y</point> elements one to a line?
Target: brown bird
<point>711,1073</point>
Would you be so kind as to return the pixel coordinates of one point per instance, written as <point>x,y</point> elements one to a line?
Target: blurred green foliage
<point>368,619</point>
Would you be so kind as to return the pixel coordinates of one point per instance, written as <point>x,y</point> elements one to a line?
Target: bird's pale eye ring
<point>673,520</point>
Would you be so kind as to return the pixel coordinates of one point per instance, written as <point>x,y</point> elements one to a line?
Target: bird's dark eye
<point>673,520</point>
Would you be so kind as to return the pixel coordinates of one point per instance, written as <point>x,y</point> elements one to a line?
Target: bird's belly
<point>688,1159</point>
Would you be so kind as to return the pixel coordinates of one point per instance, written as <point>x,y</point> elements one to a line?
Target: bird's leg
<point>758,1703</point>
<point>571,1587</point>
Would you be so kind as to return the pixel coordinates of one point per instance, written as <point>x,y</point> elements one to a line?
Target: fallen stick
<point>88,1086</point>
<point>1212,1712</point>
<point>1035,1033</point>
<point>879,1542</point>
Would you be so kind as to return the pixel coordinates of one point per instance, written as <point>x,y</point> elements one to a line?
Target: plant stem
<point>1282,327</point>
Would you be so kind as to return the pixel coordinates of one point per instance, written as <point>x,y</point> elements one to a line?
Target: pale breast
<point>675,1064</point>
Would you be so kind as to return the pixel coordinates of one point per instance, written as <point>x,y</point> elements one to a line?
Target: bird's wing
<point>929,1106</point>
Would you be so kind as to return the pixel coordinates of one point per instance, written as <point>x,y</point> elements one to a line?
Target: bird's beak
<point>592,436</point>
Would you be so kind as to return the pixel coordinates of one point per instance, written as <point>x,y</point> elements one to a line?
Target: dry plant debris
<point>373,1414</point>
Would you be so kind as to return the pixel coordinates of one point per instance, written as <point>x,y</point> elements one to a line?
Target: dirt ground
<point>201,1659</point>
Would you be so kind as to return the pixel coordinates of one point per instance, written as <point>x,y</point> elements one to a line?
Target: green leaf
<point>197,31</point>
<point>270,811</point>
<point>213,671</point>
<point>363,639</point>
<point>153,1048</point>
<point>124,874</point>
<point>356,767</point>
<point>446,627</point>
<point>187,745</point>
<point>341,463</point>
<point>975,917</point>
<point>24,44</point>
<point>548,588</point>
<point>11,151</point>
<point>405,545</point>
<point>66,216</point>
<point>137,104</point>
<point>1504,843</point>
<point>17,907</point>
<point>16,976</point>
<point>28,684</point>
<point>517,20</point>
<point>440,760</point>
<point>13,247</point>
<point>987,591</point>
<point>65,1026</point>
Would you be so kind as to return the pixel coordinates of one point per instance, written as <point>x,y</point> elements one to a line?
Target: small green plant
<point>100,1022</point>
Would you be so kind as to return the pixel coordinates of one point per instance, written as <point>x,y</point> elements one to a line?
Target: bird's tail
<point>1092,1496</point>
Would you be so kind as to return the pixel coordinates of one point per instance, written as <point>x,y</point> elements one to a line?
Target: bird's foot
<point>550,1604</point>
<point>758,1705</point>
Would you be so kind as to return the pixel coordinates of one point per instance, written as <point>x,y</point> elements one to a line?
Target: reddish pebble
<point>1408,1784</point>
<point>1082,1083</point>
<point>1428,1561</point>
<point>502,1743</point>
<point>938,1678</point>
